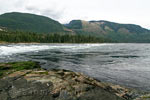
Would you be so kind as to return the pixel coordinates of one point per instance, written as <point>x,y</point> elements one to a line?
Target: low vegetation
<point>6,68</point>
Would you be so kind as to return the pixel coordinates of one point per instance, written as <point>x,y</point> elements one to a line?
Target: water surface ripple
<point>124,64</point>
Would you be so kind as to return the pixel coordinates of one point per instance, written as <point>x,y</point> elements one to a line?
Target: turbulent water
<point>124,64</point>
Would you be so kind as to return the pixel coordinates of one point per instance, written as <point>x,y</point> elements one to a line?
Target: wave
<point>23,48</point>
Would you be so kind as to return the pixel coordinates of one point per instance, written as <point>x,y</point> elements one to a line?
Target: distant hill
<point>29,22</point>
<point>105,30</point>
<point>104,27</point>
<point>114,31</point>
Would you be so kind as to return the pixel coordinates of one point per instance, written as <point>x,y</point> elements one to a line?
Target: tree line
<point>28,37</point>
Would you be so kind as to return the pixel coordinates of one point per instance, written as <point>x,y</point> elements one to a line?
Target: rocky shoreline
<point>28,81</point>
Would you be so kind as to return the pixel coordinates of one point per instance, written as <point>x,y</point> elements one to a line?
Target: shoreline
<point>1,43</point>
<point>62,80</point>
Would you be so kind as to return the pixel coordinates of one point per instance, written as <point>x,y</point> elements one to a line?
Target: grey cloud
<point>19,3</point>
<point>46,12</point>
<point>66,10</point>
<point>32,9</point>
<point>53,14</point>
<point>53,10</point>
<point>11,6</point>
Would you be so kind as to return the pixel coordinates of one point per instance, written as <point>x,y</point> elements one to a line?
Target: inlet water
<point>124,64</point>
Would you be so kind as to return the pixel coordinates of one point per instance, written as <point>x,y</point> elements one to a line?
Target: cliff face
<point>31,83</point>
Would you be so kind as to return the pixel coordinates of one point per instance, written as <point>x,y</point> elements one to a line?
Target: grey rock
<point>21,89</point>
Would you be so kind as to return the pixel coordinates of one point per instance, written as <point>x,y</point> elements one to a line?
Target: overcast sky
<point>122,11</point>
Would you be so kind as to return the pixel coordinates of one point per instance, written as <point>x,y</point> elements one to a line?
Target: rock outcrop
<point>31,83</point>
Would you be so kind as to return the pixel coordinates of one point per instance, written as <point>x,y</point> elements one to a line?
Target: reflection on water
<point>125,64</point>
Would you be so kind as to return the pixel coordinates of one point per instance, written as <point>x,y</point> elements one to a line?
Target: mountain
<point>114,31</point>
<point>29,22</point>
<point>105,30</point>
<point>104,27</point>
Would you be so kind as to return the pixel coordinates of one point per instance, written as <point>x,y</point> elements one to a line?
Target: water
<point>124,64</point>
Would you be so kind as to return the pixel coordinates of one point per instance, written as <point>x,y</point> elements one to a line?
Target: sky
<point>121,11</point>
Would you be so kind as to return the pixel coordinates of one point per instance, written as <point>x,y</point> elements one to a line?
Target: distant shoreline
<point>50,43</point>
<point>1,43</point>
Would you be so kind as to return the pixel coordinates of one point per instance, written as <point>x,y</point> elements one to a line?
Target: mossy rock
<point>24,65</point>
<point>6,68</point>
<point>1,73</point>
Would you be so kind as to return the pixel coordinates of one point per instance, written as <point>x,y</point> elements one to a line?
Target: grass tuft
<point>17,66</point>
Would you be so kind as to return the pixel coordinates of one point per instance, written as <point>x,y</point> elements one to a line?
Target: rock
<point>21,89</point>
<point>99,94</point>
<point>57,84</point>
<point>51,85</point>
<point>144,97</point>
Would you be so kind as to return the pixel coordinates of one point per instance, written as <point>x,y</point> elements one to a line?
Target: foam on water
<point>22,48</point>
<point>123,64</point>
<point>12,49</point>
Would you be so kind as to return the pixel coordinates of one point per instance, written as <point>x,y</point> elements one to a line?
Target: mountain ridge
<point>113,31</point>
<point>29,22</point>
<point>102,26</point>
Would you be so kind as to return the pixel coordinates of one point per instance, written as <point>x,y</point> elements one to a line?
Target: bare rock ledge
<point>34,83</point>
